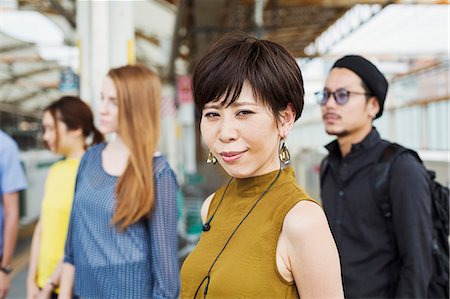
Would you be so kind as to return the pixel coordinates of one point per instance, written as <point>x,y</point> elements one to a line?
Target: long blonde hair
<point>138,96</point>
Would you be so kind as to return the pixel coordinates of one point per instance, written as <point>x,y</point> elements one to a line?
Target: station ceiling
<point>293,23</point>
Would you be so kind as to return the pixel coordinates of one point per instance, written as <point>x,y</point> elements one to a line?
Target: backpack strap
<point>382,173</point>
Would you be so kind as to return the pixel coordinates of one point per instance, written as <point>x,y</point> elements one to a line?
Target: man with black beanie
<point>382,255</point>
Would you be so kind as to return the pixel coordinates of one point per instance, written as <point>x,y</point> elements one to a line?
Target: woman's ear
<point>287,118</point>
<point>77,132</point>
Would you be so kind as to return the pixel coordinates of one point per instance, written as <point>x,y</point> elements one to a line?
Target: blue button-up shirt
<point>12,176</point>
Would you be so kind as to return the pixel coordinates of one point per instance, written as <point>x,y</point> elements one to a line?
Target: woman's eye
<point>112,101</point>
<point>244,112</point>
<point>47,129</point>
<point>211,114</point>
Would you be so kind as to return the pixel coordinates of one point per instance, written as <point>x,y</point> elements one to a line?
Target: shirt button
<point>341,193</point>
<point>338,221</point>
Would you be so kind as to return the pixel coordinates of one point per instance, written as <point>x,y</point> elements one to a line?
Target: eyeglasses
<point>341,96</point>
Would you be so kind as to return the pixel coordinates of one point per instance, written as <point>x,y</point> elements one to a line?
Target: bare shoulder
<point>304,219</point>
<point>205,207</point>
<point>311,252</point>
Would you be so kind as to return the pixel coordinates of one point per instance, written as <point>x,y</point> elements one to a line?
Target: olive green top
<point>247,267</point>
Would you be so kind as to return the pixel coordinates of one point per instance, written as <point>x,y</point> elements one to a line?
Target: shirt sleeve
<point>12,176</point>
<point>412,223</point>
<point>68,248</point>
<point>164,238</point>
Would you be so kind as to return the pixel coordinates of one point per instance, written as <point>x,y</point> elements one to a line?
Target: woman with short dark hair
<point>263,236</point>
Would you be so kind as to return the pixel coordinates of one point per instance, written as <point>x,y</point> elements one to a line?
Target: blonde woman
<point>122,240</point>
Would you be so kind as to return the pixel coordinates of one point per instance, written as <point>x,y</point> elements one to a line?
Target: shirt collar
<point>368,142</point>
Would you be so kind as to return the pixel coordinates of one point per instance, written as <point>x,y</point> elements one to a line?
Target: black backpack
<point>439,286</point>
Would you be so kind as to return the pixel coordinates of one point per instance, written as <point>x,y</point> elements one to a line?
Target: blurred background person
<point>263,236</point>
<point>68,128</point>
<point>12,180</point>
<point>380,258</point>
<point>122,240</point>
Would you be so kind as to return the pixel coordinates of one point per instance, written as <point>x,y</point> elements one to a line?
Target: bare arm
<point>11,225</point>
<point>11,220</point>
<point>311,252</point>
<point>57,273</point>
<point>66,281</point>
<point>52,282</point>
<point>32,288</point>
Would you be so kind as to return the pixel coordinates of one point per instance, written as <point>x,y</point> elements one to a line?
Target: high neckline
<point>368,142</point>
<point>249,187</point>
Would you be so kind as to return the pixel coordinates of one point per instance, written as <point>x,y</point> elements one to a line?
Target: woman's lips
<point>230,157</point>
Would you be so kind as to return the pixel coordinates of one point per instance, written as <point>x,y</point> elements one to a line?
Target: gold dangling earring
<point>284,155</point>
<point>211,159</point>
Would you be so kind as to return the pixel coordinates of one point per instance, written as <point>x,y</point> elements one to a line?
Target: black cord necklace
<point>208,275</point>
<point>206,227</point>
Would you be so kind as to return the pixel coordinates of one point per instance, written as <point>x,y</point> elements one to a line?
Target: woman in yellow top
<point>263,236</point>
<point>68,126</point>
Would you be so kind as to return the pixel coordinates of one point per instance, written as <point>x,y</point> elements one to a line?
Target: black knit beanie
<point>369,74</point>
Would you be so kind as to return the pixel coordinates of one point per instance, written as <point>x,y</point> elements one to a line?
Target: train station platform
<point>18,289</point>
<point>195,190</point>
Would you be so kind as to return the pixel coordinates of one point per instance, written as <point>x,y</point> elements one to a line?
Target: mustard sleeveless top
<point>247,267</point>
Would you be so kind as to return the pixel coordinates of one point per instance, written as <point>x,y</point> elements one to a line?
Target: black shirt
<point>376,263</point>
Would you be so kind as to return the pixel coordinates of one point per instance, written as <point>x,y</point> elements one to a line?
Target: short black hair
<point>236,58</point>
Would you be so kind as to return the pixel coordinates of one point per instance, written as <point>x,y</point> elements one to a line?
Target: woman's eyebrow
<point>220,105</point>
<point>238,104</point>
<point>212,106</point>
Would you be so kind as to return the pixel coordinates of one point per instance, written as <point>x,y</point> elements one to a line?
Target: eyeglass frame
<point>324,100</point>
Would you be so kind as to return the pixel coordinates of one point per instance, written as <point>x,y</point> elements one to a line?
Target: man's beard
<point>339,134</point>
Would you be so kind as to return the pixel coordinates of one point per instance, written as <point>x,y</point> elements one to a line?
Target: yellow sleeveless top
<point>247,267</point>
<point>55,215</point>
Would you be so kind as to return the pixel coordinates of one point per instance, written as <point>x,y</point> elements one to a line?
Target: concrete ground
<point>18,288</point>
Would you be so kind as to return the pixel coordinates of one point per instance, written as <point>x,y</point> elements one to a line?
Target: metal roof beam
<point>16,47</point>
<point>22,99</point>
<point>16,77</point>
<point>14,109</point>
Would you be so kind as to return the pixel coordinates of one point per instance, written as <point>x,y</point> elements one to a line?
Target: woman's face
<point>58,140</point>
<point>109,110</point>
<point>243,136</point>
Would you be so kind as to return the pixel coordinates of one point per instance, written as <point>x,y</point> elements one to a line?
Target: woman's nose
<point>102,107</point>
<point>45,135</point>
<point>228,130</point>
